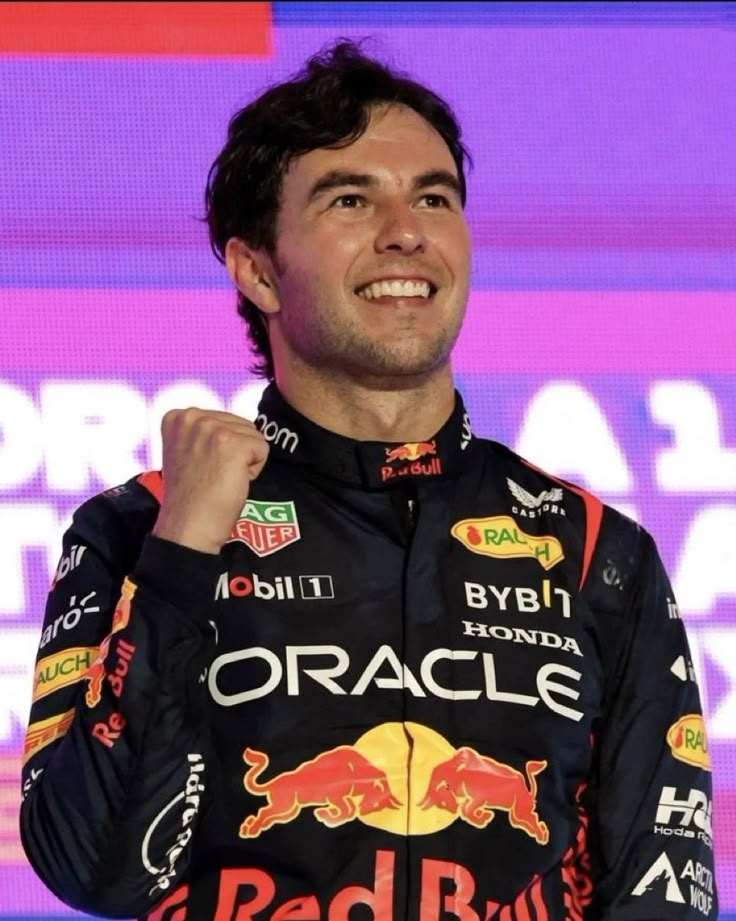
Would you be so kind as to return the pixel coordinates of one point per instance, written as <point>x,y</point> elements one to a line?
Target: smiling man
<point>350,660</point>
<point>361,342</point>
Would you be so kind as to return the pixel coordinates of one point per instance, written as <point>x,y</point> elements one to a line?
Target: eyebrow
<point>336,178</point>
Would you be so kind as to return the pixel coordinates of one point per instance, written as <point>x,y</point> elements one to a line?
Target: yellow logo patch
<point>688,741</point>
<point>502,538</point>
<point>61,669</point>
<point>43,733</point>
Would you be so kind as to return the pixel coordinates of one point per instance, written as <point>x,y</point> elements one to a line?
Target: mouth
<point>389,290</point>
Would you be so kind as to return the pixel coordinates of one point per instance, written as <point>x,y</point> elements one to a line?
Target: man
<point>345,677</point>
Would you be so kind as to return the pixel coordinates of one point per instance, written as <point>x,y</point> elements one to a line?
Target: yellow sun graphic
<point>392,747</point>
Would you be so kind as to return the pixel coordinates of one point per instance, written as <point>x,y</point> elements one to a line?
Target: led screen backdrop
<point>601,335</point>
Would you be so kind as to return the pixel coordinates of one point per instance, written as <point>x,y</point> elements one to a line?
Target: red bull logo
<point>410,456</point>
<point>371,781</point>
<point>96,675</point>
<point>411,451</point>
<point>341,783</point>
<point>446,890</point>
<point>475,787</point>
<point>96,672</point>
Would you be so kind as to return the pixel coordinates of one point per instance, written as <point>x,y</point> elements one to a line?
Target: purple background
<point>603,212</point>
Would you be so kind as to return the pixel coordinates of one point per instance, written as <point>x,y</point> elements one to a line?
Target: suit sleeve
<point>651,799</point>
<point>117,759</point>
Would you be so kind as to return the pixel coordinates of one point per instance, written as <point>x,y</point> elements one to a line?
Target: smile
<point>396,287</point>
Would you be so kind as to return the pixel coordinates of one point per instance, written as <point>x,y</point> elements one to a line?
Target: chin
<point>411,365</point>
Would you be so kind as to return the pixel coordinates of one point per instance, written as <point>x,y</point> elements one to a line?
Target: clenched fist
<point>209,460</point>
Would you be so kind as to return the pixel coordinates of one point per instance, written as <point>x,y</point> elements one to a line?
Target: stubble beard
<point>336,347</point>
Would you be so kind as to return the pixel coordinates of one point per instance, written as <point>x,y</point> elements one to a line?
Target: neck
<point>378,409</point>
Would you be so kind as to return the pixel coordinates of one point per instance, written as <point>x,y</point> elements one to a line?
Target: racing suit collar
<point>295,439</point>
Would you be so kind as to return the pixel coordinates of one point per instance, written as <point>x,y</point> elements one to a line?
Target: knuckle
<point>222,436</point>
<point>169,420</point>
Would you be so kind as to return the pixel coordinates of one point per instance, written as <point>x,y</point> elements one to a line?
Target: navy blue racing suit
<point>420,682</point>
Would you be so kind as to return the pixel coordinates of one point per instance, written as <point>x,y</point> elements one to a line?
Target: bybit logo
<point>518,599</point>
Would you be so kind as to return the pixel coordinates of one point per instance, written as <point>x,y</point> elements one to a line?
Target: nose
<point>400,231</point>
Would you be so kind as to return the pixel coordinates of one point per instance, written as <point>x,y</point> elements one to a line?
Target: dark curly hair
<point>327,104</point>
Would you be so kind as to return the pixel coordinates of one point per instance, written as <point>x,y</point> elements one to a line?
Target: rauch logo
<point>500,537</point>
<point>61,669</point>
<point>688,741</point>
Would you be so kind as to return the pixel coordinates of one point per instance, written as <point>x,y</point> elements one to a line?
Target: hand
<point>209,460</point>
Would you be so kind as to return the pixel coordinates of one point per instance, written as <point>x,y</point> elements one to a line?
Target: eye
<point>349,200</point>
<point>433,200</point>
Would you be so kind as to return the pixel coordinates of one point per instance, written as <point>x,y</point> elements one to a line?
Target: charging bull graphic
<point>415,458</point>
<point>352,782</point>
<point>411,451</point>
<point>341,782</point>
<point>477,786</point>
<point>95,675</point>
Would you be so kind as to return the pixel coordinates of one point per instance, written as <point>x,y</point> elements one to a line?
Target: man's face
<point>372,257</point>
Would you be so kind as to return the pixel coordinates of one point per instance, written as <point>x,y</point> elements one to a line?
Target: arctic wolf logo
<point>660,873</point>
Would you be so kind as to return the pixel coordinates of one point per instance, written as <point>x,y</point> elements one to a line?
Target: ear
<point>253,274</point>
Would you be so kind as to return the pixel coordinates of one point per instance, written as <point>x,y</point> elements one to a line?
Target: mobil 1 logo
<point>278,588</point>
<point>316,587</point>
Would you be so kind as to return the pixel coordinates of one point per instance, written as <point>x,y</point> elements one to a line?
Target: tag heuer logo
<point>266,527</point>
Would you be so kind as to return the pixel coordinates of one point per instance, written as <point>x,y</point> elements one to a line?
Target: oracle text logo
<point>323,664</point>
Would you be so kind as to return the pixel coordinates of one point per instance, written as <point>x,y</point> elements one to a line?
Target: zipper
<point>406,508</point>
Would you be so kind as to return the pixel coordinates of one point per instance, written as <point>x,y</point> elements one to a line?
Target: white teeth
<point>395,288</point>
